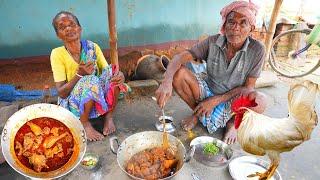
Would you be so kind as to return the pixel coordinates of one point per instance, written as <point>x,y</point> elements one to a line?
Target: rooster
<point>262,135</point>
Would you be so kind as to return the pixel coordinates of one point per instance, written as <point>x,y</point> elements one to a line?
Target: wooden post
<point>272,27</point>
<point>112,32</point>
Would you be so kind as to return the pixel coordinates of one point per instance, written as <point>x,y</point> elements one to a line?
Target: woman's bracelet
<point>79,75</point>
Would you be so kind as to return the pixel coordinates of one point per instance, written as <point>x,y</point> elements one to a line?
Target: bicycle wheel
<point>282,60</point>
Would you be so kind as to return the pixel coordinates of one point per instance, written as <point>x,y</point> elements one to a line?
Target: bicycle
<point>299,57</point>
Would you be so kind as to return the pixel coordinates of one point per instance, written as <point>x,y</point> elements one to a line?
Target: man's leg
<point>230,135</point>
<point>187,87</point>
<point>92,134</point>
<point>109,126</point>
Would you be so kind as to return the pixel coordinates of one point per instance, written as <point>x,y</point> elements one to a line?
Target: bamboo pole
<point>272,26</point>
<point>112,32</point>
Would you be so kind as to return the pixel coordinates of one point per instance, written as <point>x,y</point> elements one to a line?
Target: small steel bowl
<point>169,125</point>
<point>220,160</point>
<point>87,157</point>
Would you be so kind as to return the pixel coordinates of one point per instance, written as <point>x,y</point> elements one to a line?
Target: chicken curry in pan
<point>154,163</point>
<point>43,144</point>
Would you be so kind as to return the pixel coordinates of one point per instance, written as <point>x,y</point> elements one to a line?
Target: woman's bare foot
<point>230,136</point>
<point>189,122</point>
<point>92,134</point>
<point>109,126</point>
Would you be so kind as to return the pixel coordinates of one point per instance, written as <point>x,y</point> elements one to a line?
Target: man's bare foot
<point>109,126</point>
<point>189,122</point>
<point>230,136</point>
<point>92,134</point>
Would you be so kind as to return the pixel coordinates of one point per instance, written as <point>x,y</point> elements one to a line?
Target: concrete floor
<point>140,114</point>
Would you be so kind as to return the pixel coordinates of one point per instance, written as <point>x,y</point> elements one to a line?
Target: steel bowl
<point>87,157</point>
<point>222,159</point>
<point>169,125</point>
<point>18,119</point>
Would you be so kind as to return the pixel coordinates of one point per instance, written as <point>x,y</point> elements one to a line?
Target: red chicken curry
<point>43,144</point>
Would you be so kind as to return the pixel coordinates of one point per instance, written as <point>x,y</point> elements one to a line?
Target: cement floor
<point>140,115</point>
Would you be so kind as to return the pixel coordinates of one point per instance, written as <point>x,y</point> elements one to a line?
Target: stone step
<point>143,87</point>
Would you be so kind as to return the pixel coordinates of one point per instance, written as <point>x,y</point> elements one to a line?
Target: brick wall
<point>259,34</point>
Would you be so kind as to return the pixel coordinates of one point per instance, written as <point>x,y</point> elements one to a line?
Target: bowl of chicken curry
<point>43,141</point>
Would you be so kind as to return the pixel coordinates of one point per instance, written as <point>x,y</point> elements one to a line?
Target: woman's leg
<point>109,126</point>
<point>92,134</point>
<point>187,87</point>
<point>83,101</point>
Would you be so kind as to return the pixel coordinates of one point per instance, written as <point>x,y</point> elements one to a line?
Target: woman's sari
<point>96,87</point>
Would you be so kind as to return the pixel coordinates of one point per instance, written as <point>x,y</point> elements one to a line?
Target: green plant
<point>211,149</point>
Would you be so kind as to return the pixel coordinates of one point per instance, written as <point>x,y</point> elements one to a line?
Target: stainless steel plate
<point>243,166</point>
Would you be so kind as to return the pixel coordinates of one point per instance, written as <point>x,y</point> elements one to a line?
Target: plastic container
<point>314,36</point>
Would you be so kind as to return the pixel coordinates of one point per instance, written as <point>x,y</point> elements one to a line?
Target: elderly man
<point>234,62</point>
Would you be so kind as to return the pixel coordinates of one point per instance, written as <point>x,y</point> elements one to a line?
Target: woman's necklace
<point>75,59</point>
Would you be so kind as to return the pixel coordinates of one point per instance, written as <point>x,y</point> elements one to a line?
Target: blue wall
<point>26,24</point>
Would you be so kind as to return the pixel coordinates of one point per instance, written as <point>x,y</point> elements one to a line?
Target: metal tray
<point>243,166</point>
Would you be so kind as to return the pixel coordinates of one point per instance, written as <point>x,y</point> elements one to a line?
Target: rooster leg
<point>262,176</point>
<point>275,160</point>
<point>272,170</point>
<point>266,175</point>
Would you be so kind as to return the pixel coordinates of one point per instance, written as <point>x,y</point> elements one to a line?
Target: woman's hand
<point>118,78</point>
<point>163,93</point>
<point>86,69</point>
<point>205,107</point>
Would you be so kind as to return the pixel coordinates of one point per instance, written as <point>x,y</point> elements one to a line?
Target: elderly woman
<point>234,61</point>
<point>86,84</point>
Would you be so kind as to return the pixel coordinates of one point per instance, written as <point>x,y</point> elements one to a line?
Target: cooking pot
<point>146,140</point>
<point>151,67</point>
<point>18,119</point>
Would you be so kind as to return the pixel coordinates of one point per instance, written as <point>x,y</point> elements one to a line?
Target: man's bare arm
<point>165,90</point>
<point>175,64</point>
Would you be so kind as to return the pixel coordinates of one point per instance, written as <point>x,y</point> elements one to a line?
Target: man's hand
<point>163,93</point>
<point>86,69</point>
<point>246,91</point>
<point>118,78</point>
<point>260,99</point>
<point>205,107</point>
